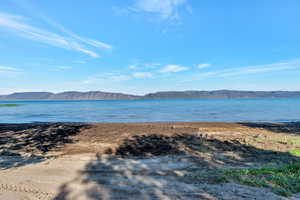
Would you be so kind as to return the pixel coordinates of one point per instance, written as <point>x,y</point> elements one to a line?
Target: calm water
<point>229,110</point>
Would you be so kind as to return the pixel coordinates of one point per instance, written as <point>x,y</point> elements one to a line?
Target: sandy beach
<point>141,160</point>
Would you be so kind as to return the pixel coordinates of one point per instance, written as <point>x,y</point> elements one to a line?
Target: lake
<point>214,110</point>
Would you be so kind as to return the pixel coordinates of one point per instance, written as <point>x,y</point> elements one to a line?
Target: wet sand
<point>138,160</point>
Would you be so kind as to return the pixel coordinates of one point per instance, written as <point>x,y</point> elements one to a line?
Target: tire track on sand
<point>33,192</point>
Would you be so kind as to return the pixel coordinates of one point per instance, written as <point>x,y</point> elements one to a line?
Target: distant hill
<point>71,95</point>
<point>27,95</point>
<point>97,95</point>
<point>221,94</point>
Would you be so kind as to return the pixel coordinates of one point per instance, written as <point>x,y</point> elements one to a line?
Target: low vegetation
<point>287,139</point>
<point>276,142</point>
<point>295,152</point>
<point>10,105</point>
<point>283,180</point>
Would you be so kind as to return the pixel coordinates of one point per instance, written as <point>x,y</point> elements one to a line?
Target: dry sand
<point>136,161</point>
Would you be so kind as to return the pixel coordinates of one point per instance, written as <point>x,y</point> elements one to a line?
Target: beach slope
<point>148,160</point>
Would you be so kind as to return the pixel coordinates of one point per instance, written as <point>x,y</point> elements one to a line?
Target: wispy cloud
<point>142,74</point>
<point>106,78</point>
<point>116,77</point>
<point>64,67</point>
<point>165,10</point>
<point>5,70</point>
<point>203,66</point>
<point>144,66</point>
<point>282,66</point>
<point>132,67</point>
<point>18,25</point>
<point>30,8</point>
<point>80,61</point>
<point>173,69</point>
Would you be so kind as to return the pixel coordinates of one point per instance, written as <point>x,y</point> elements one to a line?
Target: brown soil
<point>244,142</point>
<point>249,142</point>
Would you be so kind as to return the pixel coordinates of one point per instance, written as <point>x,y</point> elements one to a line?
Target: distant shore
<point>189,94</point>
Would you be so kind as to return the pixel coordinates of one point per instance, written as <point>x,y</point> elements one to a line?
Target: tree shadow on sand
<point>288,127</point>
<point>163,167</point>
<point>22,144</point>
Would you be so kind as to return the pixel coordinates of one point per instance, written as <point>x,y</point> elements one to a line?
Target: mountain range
<point>97,95</point>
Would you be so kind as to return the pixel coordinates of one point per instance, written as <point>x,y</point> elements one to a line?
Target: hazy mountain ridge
<point>69,95</point>
<point>221,94</point>
<point>97,95</point>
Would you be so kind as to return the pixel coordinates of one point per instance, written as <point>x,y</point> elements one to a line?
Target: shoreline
<point>114,133</point>
<point>200,123</point>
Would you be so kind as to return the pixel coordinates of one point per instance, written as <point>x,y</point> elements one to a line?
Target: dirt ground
<point>139,160</point>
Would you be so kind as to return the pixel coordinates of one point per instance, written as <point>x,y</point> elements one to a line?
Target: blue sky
<point>141,46</point>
